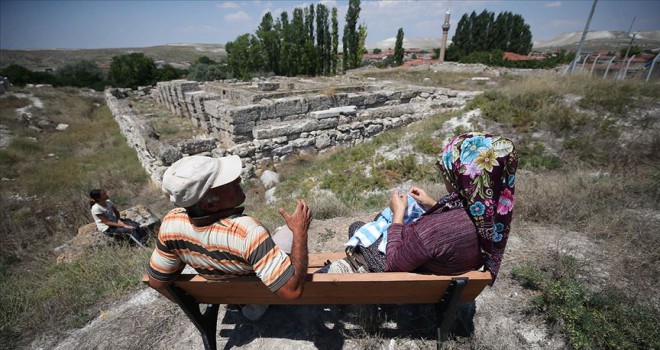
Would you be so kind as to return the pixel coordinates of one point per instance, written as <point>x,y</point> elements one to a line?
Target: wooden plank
<point>317,260</point>
<point>366,288</point>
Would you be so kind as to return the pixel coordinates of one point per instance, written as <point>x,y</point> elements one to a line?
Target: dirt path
<point>502,321</point>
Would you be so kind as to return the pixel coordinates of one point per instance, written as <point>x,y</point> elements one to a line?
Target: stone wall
<point>267,120</point>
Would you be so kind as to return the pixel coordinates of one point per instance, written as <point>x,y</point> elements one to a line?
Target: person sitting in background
<point>107,219</point>
<point>210,233</point>
<point>462,231</point>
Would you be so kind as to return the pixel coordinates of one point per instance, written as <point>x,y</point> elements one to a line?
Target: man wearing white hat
<point>210,233</point>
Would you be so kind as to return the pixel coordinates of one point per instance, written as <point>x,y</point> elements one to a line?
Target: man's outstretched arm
<point>298,222</point>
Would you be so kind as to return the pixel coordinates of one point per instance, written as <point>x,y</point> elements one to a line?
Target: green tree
<point>485,32</point>
<point>635,50</point>
<point>205,60</point>
<point>238,56</point>
<point>335,41</point>
<point>299,33</point>
<point>436,53</point>
<point>362,34</point>
<point>81,74</point>
<point>19,76</point>
<point>270,43</point>
<point>323,38</point>
<point>167,72</point>
<point>351,38</point>
<point>376,50</point>
<point>132,70</point>
<point>286,45</point>
<point>398,48</point>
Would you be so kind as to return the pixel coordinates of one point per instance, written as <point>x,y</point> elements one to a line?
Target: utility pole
<point>571,68</point>
<point>633,37</point>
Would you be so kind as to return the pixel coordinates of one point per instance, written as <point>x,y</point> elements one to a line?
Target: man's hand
<point>298,222</point>
<point>398,205</point>
<point>422,197</point>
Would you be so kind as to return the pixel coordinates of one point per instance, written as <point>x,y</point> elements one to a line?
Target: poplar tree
<point>485,32</point>
<point>351,38</point>
<point>362,34</point>
<point>286,46</point>
<point>269,42</point>
<point>322,38</point>
<point>335,41</point>
<point>398,48</point>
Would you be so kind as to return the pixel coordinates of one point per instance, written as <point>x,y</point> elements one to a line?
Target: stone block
<point>328,113</point>
<point>244,114</point>
<point>340,99</point>
<point>285,106</point>
<point>195,146</point>
<point>355,99</point>
<point>283,151</point>
<point>323,141</point>
<point>375,99</point>
<point>319,102</point>
<point>373,129</point>
<point>268,86</point>
<point>291,128</point>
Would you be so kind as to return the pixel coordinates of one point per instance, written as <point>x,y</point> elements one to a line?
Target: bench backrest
<point>324,288</point>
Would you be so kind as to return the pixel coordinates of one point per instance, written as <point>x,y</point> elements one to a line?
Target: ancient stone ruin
<point>265,120</point>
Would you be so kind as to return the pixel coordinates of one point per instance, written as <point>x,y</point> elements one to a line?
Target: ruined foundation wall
<point>278,124</point>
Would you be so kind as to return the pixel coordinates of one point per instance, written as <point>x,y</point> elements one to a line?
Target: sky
<point>49,24</point>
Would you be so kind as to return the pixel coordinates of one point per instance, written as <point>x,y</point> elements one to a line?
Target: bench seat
<point>190,290</point>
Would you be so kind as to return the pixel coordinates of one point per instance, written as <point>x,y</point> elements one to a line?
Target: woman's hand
<point>398,205</point>
<point>422,197</point>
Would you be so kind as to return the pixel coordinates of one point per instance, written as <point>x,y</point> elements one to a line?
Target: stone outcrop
<point>266,120</point>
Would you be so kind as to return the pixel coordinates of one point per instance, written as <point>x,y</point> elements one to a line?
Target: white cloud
<point>239,16</point>
<point>553,4</point>
<point>227,5</point>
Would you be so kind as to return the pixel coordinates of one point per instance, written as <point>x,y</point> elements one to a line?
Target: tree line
<point>307,43</point>
<point>130,70</point>
<point>485,32</point>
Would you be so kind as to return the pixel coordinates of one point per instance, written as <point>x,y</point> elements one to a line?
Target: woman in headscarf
<point>462,231</point>
<point>470,226</point>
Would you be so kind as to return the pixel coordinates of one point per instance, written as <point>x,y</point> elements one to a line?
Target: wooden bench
<point>189,291</point>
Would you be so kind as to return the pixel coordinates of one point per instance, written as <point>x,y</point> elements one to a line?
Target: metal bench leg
<point>447,308</point>
<point>206,322</point>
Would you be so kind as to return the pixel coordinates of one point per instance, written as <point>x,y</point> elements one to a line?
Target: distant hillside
<point>409,43</point>
<point>179,55</point>
<point>600,40</point>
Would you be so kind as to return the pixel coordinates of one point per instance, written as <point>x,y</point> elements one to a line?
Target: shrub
<point>604,319</point>
<point>132,70</point>
<point>81,74</point>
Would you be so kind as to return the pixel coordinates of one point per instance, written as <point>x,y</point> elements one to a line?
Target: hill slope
<point>179,55</point>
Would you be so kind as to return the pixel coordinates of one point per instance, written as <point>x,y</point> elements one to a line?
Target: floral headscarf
<point>482,168</point>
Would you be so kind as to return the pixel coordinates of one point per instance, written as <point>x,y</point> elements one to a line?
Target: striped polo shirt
<point>229,247</point>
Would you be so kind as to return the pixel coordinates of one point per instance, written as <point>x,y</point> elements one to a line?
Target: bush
<point>604,319</point>
<point>19,75</point>
<point>132,70</point>
<point>208,72</point>
<point>81,74</point>
<point>167,72</point>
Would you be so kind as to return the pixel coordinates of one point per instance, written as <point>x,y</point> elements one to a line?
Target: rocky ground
<point>502,319</point>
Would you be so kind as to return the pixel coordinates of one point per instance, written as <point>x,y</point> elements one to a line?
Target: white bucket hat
<point>189,178</point>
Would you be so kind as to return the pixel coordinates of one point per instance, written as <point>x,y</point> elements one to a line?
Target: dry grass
<point>44,201</point>
<point>459,81</point>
